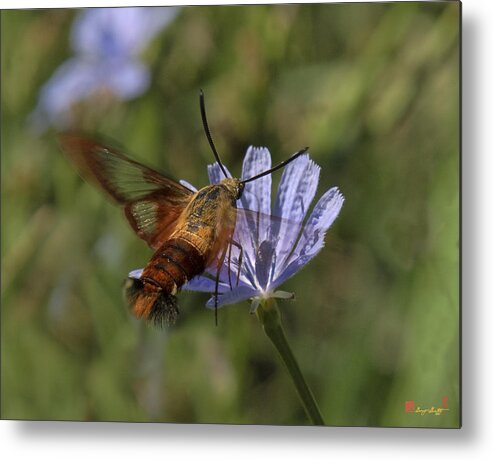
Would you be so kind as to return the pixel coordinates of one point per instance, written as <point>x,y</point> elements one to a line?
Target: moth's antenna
<point>275,168</point>
<point>208,133</point>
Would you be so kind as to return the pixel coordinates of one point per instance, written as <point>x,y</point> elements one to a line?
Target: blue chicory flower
<point>106,42</point>
<point>276,243</point>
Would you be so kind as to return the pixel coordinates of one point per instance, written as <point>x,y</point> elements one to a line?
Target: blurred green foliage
<point>373,89</point>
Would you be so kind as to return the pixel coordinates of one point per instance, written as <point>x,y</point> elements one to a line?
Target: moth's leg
<point>216,289</point>
<point>229,264</point>
<point>240,260</point>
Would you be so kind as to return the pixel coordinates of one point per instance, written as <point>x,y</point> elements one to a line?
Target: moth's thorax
<point>209,218</point>
<point>234,186</point>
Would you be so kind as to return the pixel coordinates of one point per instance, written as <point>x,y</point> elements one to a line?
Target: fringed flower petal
<point>136,274</point>
<point>236,295</point>
<point>312,237</point>
<point>205,284</point>
<point>216,174</point>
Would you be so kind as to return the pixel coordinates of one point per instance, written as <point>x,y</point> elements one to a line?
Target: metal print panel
<point>232,214</point>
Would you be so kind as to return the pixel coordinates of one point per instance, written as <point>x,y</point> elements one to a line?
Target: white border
<point>133,441</point>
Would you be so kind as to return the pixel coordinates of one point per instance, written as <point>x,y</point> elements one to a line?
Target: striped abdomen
<point>153,295</point>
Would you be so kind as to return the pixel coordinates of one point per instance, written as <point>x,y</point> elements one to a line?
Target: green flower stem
<point>269,315</point>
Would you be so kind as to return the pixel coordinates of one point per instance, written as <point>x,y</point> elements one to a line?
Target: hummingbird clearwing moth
<point>189,231</point>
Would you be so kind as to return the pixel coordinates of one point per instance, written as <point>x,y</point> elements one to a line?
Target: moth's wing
<point>246,242</point>
<point>223,234</point>
<point>254,228</point>
<point>151,201</point>
<point>272,244</point>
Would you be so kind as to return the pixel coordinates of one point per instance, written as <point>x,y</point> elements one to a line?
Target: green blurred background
<point>373,89</point>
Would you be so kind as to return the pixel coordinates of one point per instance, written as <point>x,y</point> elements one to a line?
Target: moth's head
<point>234,186</point>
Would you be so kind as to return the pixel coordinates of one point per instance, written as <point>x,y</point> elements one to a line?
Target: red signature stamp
<point>410,406</point>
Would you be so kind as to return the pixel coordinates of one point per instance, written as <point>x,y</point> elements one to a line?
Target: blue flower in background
<point>276,244</point>
<point>107,42</point>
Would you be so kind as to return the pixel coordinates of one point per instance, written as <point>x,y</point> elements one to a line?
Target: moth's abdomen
<point>153,295</point>
<point>150,302</point>
<point>176,262</point>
